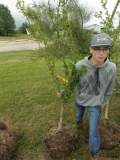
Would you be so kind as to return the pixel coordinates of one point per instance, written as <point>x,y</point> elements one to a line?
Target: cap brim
<point>100,45</point>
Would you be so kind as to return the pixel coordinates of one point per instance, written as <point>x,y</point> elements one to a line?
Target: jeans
<point>94,114</point>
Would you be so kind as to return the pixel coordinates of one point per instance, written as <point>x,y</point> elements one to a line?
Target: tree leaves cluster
<point>7,22</point>
<point>38,20</point>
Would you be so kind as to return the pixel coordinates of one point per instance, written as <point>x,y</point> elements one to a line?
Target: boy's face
<point>99,53</point>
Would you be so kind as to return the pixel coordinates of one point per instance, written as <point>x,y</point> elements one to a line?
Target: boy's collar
<point>89,57</point>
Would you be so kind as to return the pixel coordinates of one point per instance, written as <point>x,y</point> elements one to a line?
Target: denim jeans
<point>94,114</point>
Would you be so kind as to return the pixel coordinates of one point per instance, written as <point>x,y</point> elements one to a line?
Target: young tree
<point>7,22</point>
<point>68,41</point>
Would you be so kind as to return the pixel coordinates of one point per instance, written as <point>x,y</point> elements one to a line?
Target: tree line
<point>7,22</point>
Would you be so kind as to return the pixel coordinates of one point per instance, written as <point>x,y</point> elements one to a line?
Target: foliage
<point>23,27</point>
<point>7,22</point>
<point>67,85</point>
<point>38,20</point>
<point>68,22</point>
<point>63,23</point>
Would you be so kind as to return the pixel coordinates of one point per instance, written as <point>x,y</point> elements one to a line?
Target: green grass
<point>28,102</point>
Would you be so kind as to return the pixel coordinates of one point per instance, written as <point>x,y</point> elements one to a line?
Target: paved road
<point>19,45</point>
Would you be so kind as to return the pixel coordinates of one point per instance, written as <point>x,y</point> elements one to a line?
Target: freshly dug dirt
<point>109,134</point>
<point>7,141</point>
<point>61,143</point>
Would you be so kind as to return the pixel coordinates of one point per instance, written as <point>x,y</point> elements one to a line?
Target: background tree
<point>7,22</point>
<point>23,27</point>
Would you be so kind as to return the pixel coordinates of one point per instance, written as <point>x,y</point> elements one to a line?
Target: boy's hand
<point>101,109</point>
<point>59,94</point>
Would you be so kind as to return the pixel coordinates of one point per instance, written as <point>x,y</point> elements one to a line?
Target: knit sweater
<point>96,85</point>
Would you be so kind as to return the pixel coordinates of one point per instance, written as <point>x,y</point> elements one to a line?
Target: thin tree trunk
<point>61,119</point>
<point>106,111</point>
<point>115,8</point>
<point>118,81</point>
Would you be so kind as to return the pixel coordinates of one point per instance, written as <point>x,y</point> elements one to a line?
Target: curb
<point>3,41</point>
<point>19,40</point>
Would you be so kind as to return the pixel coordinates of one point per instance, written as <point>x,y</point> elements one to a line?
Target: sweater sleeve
<point>109,90</point>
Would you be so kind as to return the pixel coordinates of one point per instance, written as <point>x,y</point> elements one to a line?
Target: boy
<point>95,87</point>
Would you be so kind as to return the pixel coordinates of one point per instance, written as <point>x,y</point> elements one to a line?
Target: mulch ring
<point>7,141</point>
<point>109,134</point>
<point>61,143</point>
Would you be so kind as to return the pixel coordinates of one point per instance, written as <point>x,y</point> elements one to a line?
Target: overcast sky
<point>90,4</point>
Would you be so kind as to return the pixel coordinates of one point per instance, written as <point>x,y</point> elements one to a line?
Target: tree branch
<point>79,11</point>
<point>115,8</point>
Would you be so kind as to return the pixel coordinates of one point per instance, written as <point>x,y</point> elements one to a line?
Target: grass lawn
<point>28,102</point>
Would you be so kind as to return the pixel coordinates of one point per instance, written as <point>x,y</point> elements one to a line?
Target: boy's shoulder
<point>112,65</point>
<point>80,63</point>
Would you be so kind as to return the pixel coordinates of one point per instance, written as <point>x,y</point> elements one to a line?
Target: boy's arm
<point>109,90</point>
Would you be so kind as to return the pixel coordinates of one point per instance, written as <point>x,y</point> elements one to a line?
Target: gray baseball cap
<point>101,39</point>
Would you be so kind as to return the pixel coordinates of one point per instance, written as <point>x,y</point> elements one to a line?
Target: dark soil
<point>62,142</point>
<point>109,134</point>
<point>7,141</point>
